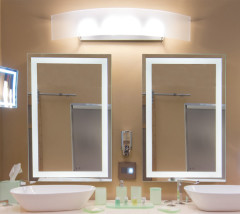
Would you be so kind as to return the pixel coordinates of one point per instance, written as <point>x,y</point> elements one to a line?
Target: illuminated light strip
<point>179,174</point>
<point>5,93</point>
<point>120,24</point>
<point>35,161</point>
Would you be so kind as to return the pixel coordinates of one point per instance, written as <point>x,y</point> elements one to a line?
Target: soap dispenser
<point>121,191</point>
<point>126,143</point>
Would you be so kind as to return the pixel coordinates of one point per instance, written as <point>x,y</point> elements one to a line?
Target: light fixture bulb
<point>5,93</point>
<point>154,27</point>
<point>88,27</point>
<point>121,25</point>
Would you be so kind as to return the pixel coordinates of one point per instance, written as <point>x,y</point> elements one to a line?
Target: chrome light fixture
<point>8,87</point>
<point>121,24</point>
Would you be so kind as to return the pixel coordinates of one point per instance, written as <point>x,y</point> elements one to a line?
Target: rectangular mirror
<point>184,117</point>
<point>8,87</point>
<point>69,117</point>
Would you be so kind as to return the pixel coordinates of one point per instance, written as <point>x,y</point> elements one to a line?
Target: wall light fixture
<point>121,24</point>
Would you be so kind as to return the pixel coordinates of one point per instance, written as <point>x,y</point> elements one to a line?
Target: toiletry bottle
<point>134,201</point>
<point>121,191</point>
<point>126,201</point>
<point>117,202</point>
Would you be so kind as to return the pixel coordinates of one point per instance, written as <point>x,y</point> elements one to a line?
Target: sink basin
<point>215,197</point>
<point>52,197</point>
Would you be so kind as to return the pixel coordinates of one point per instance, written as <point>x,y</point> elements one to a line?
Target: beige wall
<point>26,28</point>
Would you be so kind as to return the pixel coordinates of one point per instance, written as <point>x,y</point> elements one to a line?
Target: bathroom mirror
<point>183,117</point>
<point>69,106</point>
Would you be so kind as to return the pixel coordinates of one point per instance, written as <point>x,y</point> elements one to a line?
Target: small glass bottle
<point>143,200</point>
<point>117,202</point>
<point>125,200</point>
<point>134,201</point>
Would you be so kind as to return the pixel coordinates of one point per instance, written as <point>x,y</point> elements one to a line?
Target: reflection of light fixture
<point>120,24</point>
<point>8,87</point>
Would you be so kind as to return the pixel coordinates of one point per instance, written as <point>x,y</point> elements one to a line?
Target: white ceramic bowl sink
<point>215,197</point>
<point>52,197</point>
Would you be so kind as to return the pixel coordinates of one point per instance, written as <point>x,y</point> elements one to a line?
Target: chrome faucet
<point>179,188</point>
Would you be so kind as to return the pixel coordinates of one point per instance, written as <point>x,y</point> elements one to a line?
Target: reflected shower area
<point>59,86</point>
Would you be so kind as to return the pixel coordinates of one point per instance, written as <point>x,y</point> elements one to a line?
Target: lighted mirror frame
<point>148,62</point>
<point>70,175</point>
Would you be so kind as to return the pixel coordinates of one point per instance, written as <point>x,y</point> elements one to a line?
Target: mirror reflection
<point>183,116</point>
<point>70,103</point>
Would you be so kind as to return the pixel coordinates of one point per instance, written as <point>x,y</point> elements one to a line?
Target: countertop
<point>189,208</point>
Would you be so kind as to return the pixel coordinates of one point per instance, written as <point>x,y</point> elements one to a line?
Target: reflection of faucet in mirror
<point>179,188</point>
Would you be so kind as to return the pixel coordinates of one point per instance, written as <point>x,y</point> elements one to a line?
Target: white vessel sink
<point>52,197</point>
<point>215,197</point>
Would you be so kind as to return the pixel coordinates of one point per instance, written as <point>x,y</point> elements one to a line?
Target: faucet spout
<point>179,188</point>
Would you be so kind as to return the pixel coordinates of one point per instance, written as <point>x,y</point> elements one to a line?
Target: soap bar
<point>93,209</point>
<point>167,209</point>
